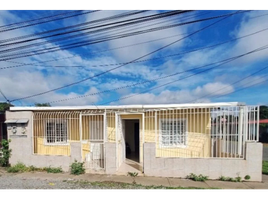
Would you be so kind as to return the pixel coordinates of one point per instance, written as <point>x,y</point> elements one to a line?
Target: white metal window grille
<point>56,131</point>
<point>173,132</point>
<point>96,130</point>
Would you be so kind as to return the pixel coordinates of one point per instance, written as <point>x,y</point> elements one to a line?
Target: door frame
<point>116,135</point>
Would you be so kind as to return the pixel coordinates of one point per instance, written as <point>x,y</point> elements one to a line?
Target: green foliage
<point>6,153</point>
<point>132,174</point>
<point>247,177</point>
<point>265,167</point>
<point>42,105</point>
<point>197,178</point>
<point>19,167</point>
<point>53,169</point>
<point>5,106</point>
<point>263,112</point>
<point>236,179</point>
<point>77,168</point>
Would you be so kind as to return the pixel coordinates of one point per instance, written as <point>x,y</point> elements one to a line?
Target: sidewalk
<point>148,181</point>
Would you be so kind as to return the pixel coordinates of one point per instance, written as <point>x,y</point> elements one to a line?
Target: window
<point>56,131</point>
<point>173,132</point>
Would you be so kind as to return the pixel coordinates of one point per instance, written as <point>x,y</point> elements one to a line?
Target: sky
<point>235,81</point>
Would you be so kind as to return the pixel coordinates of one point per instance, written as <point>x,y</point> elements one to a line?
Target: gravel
<point>14,181</point>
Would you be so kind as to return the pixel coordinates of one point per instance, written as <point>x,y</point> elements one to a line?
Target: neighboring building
<point>3,129</point>
<point>172,140</point>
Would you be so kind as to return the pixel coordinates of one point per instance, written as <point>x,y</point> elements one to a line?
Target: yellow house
<point>112,138</point>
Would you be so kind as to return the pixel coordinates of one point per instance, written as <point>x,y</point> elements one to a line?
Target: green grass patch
<point>265,167</point>
<point>20,167</point>
<point>118,185</point>
<point>53,169</point>
<point>200,177</point>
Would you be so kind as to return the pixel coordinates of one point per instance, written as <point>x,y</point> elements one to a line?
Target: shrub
<point>4,160</point>
<point>77,168</point>
<point>19,167</point>
<point>247,177</point>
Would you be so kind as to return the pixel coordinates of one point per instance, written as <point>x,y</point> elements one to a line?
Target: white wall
<point>211,167</point>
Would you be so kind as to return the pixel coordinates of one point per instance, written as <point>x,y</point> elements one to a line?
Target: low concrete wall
<point>22,151</point>
<point>211,167</point>
<point>110,158</point>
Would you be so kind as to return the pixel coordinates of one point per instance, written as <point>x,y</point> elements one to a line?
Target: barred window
<point>173,132</point>
<point>56,131</point>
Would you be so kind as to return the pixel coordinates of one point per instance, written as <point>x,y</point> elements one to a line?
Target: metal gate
<point>93,136</point>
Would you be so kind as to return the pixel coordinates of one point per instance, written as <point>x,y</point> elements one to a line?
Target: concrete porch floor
<point>130,166</point>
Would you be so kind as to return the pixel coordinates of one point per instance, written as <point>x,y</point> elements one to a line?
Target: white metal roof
<point>156,106</point>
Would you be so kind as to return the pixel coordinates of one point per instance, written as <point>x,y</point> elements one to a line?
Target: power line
<point>220,63</point>
<point>139,61</point>
<point>122,15</point>
<point>245,87</point>
<point>124,65</point>
<point>79,43</point>
<point>46,21</point>
<point>4,96</point>
<point>83,43</point>
<point>43,17</point>
<point>168,83</point>
<point>258,71</point>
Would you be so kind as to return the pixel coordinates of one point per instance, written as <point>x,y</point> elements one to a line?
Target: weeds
<point>197,178</point>
<point>77,168</point>
<point>53,169</point>
<point>236,179</point>
<point>20,167</point>
<point>247,177</point>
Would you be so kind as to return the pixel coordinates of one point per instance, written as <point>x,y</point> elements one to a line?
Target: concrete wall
<point>212,167</point>
<point>110,157</point>
<point>22,151</point>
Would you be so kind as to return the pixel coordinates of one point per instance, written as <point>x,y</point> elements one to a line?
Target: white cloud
<point>250,24</point>
<point>180,96</point>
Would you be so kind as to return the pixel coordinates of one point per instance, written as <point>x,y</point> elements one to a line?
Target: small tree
<point>4,160</point>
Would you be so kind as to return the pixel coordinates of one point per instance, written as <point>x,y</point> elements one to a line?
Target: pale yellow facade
<point>197,128</point>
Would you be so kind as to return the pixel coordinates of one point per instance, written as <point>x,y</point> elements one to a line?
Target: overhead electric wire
<point>87,43</point>
<point>80,43</point>
<point>168,83</point>
<point>4,96</point>
<point>240,80</point>
<point>64,17</point>
<point>146,60</point>
<point>40,18</point>
<point>222,62</point>
<point>244,88</point>
<point>127,22</point>
<point>102,73</point>
<point>121,15</point>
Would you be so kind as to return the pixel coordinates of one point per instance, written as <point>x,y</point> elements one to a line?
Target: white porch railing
<point>203,132</point>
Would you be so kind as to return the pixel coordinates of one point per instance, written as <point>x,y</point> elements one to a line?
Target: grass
<point>118,185</point>
<point>20,167</point>
<point>265,167</point>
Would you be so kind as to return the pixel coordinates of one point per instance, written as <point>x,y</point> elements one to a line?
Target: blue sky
<point>211,86</point>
